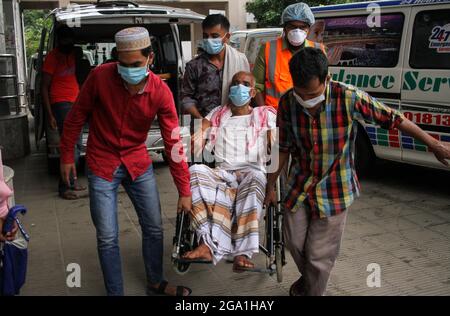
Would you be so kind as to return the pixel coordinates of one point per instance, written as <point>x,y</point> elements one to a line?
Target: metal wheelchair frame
<point>272,247</point>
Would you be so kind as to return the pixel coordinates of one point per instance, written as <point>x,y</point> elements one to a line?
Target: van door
<point>426,81</point>
<point>180,65</point>
<point>39,110</point>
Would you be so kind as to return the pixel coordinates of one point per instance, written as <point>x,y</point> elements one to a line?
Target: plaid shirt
<point>322,173</point>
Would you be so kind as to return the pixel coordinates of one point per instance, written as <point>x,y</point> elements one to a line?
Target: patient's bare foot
<point>202,252</point>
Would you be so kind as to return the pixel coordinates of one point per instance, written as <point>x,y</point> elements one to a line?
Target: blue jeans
<point>60,111</point>
<point>143,193</point>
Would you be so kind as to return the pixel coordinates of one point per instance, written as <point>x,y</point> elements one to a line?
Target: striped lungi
<point>227,206</point>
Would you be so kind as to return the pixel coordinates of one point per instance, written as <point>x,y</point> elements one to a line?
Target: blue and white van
<point>399,52</point>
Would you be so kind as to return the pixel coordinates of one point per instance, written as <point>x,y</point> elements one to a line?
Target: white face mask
<point>309,104</point>
<point>296,37</point>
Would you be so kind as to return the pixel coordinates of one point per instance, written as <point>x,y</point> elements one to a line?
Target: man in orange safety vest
<point>271,69</point>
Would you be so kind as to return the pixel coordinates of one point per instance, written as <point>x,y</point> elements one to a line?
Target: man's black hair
<point>64,31</point>
<point>307,64</point>
<point>213,20</point>
<point>146,51</point>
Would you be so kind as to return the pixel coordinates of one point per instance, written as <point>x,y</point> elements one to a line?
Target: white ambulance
<point>399,52</point>
<point>94,26</point>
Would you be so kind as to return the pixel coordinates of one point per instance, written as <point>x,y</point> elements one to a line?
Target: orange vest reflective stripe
<point>278,78</point>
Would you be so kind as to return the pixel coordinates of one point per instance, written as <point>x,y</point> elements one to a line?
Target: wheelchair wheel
<point>184,241</point>
<point>279,244</point>
<point>188,244</point>
<point>180,267</point>
<point>279,263</point>
<point>269,240</point>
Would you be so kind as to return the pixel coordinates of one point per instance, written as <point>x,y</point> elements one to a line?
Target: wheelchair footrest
<point>199,261</point>
<point>256,270</point>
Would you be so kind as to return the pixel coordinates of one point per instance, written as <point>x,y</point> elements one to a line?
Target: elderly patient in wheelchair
<point>228,199</point>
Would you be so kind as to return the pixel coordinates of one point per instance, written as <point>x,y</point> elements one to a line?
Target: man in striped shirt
<point>317,122</point>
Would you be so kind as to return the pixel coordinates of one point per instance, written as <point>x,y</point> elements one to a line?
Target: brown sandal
<point>161,290</point>
<point>243,264</point>
<point>69,195</point>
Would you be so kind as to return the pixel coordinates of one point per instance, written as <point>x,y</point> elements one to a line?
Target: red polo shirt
<point>64,85</point>
<point>119,123</point>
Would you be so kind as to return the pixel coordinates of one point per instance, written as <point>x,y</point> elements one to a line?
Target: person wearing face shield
<point>121,100</point>
<point>227,199</point>
<point>208,76</point>
<point>317,123</point>
<point>272,64</point>
<point>59,91</point>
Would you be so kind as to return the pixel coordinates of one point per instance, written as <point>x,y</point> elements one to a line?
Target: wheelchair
<point>272,246</point>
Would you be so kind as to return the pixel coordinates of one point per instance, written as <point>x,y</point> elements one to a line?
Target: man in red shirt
<point>121,100</point>
<point>59,92</point>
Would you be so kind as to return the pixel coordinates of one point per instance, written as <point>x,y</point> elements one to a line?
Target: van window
<point>237,41</point>
<point>430,46</point>
<point>353,42</point>
<point>254,44</point>
<point>168,46</point>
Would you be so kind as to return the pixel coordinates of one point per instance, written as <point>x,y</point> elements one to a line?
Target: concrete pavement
<point>401,222</point>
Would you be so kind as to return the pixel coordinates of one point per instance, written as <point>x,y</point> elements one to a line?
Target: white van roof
<point>116,9</point>
<point>261,30</point>
<point>388,3</point>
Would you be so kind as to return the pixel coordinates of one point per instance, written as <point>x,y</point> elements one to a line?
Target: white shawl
<point>235,61</point>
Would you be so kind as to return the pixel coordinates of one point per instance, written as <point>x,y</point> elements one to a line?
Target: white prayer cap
<point>133,38</point>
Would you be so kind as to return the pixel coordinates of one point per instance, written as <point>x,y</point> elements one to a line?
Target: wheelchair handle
<point>12,217</point>
<point>179,233</point>
<point>22,230</point>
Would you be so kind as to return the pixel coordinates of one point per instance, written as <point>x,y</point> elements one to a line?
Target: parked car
<point>96,26</point>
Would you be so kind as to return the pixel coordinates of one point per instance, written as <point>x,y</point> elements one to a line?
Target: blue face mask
<point>213,46</point>
<point>133,75</point>
<point>240,95</point>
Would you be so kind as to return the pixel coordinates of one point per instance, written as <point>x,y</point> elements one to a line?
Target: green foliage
<point>268,12</point>
<point>34,21</point>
